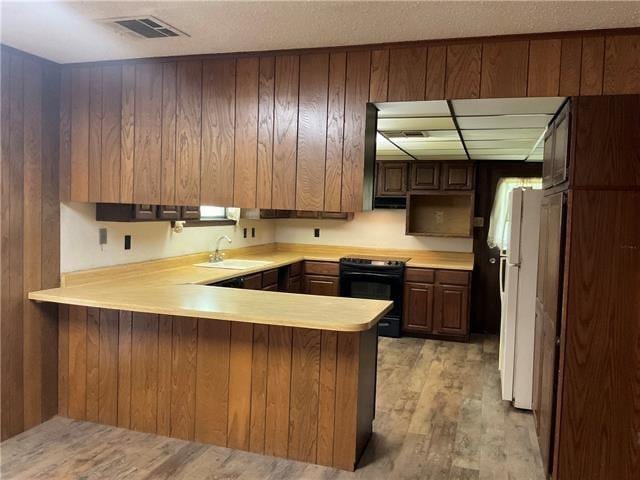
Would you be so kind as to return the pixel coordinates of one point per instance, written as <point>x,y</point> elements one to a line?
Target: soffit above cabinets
<point>478,129</point>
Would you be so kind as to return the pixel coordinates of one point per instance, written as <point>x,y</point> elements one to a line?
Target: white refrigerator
<point>518,275</point>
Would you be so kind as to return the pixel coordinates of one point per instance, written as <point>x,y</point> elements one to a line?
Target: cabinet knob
<point>492,260</point>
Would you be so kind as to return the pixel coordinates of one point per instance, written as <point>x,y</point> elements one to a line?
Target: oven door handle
<point>371,275</point>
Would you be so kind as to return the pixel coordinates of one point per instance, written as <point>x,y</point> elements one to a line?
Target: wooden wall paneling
<point>407,74</point>
<point>570,63</point>
<point>127,133</point>
<point>240,351</point>
<point>259,387</point>
<point>305,384</point>
<point>92,361</point>
<point>285,132</point>
<point>65,133</point>
<point>327,397</point>
<point>183,377</point>
<point>545,58</point>
<point>108,367</point>
<point>246,128</point>
<point>212,381</point>
<point>278,385</point>
<point>168,150</point>
<point>379,81</point>
<point>344,446</point>
<point>592,65</point>
<point>144,372</point>
<point>63,360</point>
<point>77,362</point>
<point>335,132</point>
<point>95,133</point>
<point>356,96</point>
<point>504,69</point>
<point>602,334</point>
<point>80,100</point>
<point>12,407</point>
<point>111,130</point>
<point>621,64</point>
<point>165,377</point>
<point>124,369</point>
<point>188,132</point>
<point>463,71</point>
<point>218,133</point>
<point>147,133</point>
<point>436,71</point>
<point>312,131</point>
<point>266,104</point>
<point>33,319</point>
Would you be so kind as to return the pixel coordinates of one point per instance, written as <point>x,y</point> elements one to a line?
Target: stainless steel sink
<point>233,264</point>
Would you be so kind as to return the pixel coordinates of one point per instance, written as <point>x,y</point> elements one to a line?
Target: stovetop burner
<point>373,262</point>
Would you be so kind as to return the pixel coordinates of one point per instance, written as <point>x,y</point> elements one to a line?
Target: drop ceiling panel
<point>504,121</point>
<point>499,157</point>
<point>527,144</point>
<point>461,156</point>
<point>438,108</point>
<point>507,106</point>
<point>411,143</point>
<point>500,134</point>
<point>417,124</point>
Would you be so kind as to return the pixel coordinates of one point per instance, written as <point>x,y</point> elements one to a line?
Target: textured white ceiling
<point>68,32</point>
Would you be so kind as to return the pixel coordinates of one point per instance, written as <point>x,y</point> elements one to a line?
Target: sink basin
<point>232,264</point>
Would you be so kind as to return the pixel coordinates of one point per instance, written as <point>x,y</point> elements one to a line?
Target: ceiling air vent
<point>144,27</point>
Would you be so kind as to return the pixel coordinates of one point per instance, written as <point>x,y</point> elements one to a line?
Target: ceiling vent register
<point>144,27</point>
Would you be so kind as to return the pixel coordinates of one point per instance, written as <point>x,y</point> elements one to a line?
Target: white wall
<point>79,248</point>
<point>378,228</point>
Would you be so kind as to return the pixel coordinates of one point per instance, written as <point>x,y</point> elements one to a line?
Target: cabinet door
<point>537,365</point>
<point>547,158</point>
<point>295,284</point>
<point>392,179</point>
<point>144,212</point>
<point>561,147</point>
<point>271,288</point>
<point>424,176</point>
<point>451,310</point>
<point>321,285</point>
<point>457,176</point>
<point>169,212</point>
<point>418,307</point>
<point>253,282</point>
<point>190,213</point>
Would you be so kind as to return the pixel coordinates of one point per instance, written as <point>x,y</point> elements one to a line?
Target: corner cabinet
<point>436,303</point>
<point>242,131</point>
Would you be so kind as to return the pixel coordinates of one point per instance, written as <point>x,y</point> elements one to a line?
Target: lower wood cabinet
<point>253,282</point>
<point>295,284</point>
<point>322,285</point>
<point>436,304</point>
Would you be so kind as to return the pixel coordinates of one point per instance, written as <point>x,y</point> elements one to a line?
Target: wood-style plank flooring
<point>439,416</point>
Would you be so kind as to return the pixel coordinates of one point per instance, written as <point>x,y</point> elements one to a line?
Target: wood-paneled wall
<point>285,129</point>
<point>289,392</point>
<point>29,240</point>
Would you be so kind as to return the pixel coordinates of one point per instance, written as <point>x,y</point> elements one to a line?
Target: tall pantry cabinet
<point>587,342</point>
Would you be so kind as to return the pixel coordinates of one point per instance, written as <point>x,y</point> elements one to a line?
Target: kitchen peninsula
<point>154,347</point>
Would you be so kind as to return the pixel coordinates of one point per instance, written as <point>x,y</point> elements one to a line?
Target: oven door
<point>377,286</point>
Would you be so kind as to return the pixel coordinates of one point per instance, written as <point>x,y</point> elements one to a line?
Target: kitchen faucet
<point>217,256</point>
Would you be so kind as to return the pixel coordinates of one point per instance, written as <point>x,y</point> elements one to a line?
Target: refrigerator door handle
<point>503,265</point>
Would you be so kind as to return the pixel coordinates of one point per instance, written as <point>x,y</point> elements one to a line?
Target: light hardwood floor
<point>439,416</point>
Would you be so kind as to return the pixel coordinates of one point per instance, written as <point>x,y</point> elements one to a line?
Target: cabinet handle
<point>492,260</point>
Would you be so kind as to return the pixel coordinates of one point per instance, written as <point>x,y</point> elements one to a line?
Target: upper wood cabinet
<point>391,179</point>
<point>424,176</point>
<point>457,176</point>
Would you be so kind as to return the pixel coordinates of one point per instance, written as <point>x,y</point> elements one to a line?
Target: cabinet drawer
<point>295,269</point>
<point>423,275</point>
<point>321,285</point>
<point>270,277</point>
<point>322,268</point>
<point>452,277</point>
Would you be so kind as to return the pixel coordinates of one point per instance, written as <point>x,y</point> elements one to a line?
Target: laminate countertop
<point>178,287</point>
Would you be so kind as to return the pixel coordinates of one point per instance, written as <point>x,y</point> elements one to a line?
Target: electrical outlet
<point>244,232</point>
<point>253,232</point>
<point>316,232</point>
<point>102,236</point>
<point>127,242</point>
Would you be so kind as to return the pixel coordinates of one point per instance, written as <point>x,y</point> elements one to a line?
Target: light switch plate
<point>478,221</point>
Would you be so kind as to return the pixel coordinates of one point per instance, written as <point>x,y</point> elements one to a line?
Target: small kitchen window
<point>214,216</point>
<point>210,212</point>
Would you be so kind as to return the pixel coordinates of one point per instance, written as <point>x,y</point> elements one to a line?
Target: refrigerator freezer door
<point>508,331</point>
